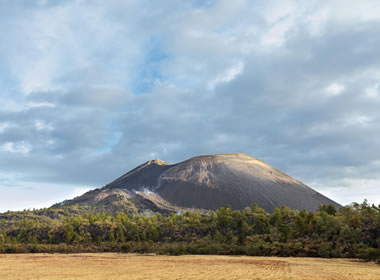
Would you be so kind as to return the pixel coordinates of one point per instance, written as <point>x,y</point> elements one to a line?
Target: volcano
<point>208,182</point>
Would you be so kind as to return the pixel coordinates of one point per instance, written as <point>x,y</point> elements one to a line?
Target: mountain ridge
<point>210,182</point>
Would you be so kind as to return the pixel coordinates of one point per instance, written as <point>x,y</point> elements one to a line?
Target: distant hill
<point>205,182</point>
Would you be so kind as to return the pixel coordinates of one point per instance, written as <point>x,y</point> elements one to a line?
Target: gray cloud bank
<point>90,90</point>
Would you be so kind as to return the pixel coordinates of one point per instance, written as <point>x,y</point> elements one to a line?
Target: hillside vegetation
<point>350,232</point>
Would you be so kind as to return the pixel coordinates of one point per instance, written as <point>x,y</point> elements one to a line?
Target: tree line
<point>351,232</point>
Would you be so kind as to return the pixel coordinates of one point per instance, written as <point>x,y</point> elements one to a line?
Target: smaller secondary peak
<point>157,162</point>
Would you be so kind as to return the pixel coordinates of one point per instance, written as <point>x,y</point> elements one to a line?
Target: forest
<point>351,232</point>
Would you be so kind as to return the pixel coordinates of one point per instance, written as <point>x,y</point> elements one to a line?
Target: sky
<point>91,89</point>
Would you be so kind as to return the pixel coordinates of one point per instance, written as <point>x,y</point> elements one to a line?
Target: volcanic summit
<point>209,182</point>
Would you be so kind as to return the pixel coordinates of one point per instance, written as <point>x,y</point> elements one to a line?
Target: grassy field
<point>121,266</point>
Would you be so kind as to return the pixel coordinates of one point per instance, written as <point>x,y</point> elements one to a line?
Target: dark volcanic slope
<point>144,176</point>
<point>211,182</point>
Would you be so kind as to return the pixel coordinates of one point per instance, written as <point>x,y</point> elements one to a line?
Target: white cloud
<point>352,190</point>
<point>275,36</point>
<point>40,105</point>
<point>316,21</point>
<point>361,120</point>
<point>278,9</point>
<point>28,195</point>
<point>63,38</point>
<point>21,147</point>
<point>3,126</point>
<point>228,75</point>
<point>335,89</point>
<point>42,125</point>
<point>364,11</point>
<point>373,91</point>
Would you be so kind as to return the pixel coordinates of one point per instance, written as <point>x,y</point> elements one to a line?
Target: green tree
<point>120,237</point>
<point>112,238</point>
<point>329,209</point>
<point>154,233</point>
<point>68,230</point>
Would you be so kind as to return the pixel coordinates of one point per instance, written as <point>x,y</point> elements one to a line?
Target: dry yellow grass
<point>120,266</point>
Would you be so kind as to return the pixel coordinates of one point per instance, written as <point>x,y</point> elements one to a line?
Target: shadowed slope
<point>144,176</point>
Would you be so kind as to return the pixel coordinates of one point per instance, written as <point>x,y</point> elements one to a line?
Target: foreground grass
<point>130,266</point>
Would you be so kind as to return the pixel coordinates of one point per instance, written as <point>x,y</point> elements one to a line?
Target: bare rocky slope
<point>207,182</point>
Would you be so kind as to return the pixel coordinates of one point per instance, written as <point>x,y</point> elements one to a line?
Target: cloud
<point>335,89</point>
<point>228,75</point>
<point>22,195</point>
<point>18,147</point>
<point>100,88</point>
